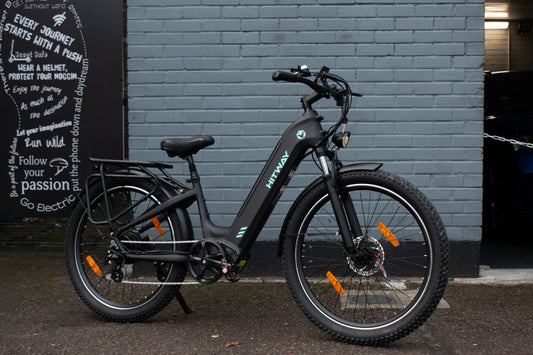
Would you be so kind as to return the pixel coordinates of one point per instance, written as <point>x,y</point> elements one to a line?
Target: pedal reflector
<point>93,265</point>
<point>336,284</point>
<point>158,227</point>
<point>388,234</point>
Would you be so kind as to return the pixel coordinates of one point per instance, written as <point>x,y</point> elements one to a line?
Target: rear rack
<point>128,163</point>
<point>110,168</point>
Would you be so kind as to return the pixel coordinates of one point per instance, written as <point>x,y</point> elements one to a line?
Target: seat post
<point>195,178</point>
<point>200,199</point>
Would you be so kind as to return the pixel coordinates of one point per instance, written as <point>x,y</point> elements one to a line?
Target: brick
<point>180,26</point>
<point>201,12</point>
<point>221,25</point>
<point>393,62</point>
<point>240,38</point>
<point>433,62</point>
<point>449,23</point>
<point>434,10</point>
<point>394,89</point>
<point>374,49</point>
<point>393,36</point>
<point>278,37</point>
<point>413,49</point>
<point>433,36</point>
<point>202,38</point>
<point>470,10</point>
<point>396,11</point>
<point>357,11</point>
<point>413,75</point>
<point>415,101</point>
<point>298,24</point>
<point>317,11</point>
<point>375,75</point>
<point>413,23</point>
<point>278,11</point>
<point>240,12</point>
<point>442,49</point>
<point>354,36</point>
<point>469,36</point>
<point>337,24</point>
<point>336,49</point>
<point>259,25</point>
<point>375,24</point>
<point>321,37</point>
<point>162,13</point>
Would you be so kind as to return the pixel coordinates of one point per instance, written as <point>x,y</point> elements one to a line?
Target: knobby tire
<point>107,294</point>
<point>386,296</point>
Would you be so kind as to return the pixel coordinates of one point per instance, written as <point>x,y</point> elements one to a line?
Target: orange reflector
<point>93,265</point>
<point>336,284</point>
<point>388,234</point>
<point>157,225</point>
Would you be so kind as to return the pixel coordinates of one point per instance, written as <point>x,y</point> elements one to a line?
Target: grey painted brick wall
<point>204,67</point>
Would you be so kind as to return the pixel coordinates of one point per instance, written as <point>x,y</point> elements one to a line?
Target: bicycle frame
<point>303,134</point>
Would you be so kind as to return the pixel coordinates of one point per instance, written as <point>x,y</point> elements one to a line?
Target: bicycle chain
<point>508,140</point>
<point>163,283</point>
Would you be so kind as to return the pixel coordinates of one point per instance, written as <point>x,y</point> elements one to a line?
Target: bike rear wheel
<point>399,281</point>
<point>122,290</point>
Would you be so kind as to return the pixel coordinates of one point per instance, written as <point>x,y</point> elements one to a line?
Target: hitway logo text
<point>276,172</point>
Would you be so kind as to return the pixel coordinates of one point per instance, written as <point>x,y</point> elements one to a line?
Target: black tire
<point>110,294</point>
<point>386,296</point>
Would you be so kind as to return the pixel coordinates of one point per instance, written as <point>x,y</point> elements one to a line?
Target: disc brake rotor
<point>375,256</point>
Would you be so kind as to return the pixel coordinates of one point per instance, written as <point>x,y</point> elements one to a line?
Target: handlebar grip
<point>284,76</point>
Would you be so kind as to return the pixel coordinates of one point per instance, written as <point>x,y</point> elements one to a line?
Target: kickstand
<point>182,302</point>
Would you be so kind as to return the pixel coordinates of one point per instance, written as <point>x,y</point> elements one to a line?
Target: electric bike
<point>364,252</point>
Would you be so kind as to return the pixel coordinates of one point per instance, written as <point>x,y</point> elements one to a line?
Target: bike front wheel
<point>119,289</point>
<point>398,280</point>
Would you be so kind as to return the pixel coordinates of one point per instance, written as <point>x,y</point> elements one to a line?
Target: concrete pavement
<point>41,314</point>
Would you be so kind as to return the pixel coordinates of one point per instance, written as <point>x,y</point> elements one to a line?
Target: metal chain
<point>507,140</point>
<point>160,283</point>
<point>158,242</point>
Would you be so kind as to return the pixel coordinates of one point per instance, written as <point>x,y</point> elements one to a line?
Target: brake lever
<point>356,94</point>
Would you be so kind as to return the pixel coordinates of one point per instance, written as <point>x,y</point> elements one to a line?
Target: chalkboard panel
<point>61,99</point>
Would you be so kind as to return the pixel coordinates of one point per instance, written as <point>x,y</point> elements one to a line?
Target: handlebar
<point>320,86</point>
<point>284,76</point>
<point>298,78</point>
<point>339,90</point>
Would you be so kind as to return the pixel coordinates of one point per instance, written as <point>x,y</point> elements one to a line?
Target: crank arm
<point>207,261</point>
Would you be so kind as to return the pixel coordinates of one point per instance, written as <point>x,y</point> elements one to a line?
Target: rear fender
<point>344,169</point>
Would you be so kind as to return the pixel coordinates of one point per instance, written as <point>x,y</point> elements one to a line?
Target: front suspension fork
<point>342,206</point>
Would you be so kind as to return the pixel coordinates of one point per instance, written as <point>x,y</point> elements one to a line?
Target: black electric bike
<point>364,252</point>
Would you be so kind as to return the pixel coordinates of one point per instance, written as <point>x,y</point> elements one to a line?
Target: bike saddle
<point>184,147</point>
